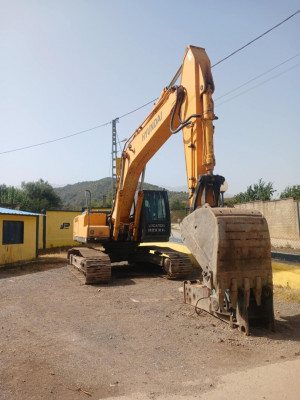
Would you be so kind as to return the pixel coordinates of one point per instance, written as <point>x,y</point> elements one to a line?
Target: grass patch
<point>54,252</point>
<point>53,256</point>
<point>287,294</point>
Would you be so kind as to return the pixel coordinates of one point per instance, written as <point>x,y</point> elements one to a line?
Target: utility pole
<point>114,156</point>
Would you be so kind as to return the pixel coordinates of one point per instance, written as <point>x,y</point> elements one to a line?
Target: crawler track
<point>177,265</point>
<point>94,265</point>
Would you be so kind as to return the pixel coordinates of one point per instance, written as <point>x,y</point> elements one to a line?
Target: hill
<point>73,196</point>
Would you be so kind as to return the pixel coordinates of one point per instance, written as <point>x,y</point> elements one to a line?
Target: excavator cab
<point>155,223</point>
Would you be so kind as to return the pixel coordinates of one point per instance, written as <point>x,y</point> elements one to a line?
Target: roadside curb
<point>285,256</point>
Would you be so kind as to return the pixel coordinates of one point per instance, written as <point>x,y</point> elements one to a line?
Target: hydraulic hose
<point>178,103</point>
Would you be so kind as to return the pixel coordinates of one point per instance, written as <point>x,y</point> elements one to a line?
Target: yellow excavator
<point>231,246</point>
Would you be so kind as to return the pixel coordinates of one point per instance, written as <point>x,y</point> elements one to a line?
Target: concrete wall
<point>10,253</point>
<point>283,220</point>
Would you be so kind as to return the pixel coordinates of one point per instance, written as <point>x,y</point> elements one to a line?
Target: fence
<point>283,217</point>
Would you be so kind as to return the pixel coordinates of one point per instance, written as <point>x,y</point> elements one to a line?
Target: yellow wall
<point>58,232</point>
<point>10,253</point>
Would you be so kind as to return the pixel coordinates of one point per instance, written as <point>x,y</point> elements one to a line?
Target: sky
<point>70,65</point>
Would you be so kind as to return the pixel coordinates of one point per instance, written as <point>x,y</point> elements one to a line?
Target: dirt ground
<point>134,338</point>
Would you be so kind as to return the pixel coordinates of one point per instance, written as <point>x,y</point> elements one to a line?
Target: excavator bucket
<point>234,252</point>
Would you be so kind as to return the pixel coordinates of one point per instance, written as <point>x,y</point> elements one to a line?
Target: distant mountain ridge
<point>182,188</point>
<point>73,196</point>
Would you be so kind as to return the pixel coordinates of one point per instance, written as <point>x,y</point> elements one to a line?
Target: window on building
<point>13,232</point>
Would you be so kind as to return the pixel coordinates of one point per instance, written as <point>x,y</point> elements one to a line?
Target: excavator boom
<point>188,107</point>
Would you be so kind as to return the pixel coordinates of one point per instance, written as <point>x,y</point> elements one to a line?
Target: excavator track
<point>94,265</point>
<point>177,265</point>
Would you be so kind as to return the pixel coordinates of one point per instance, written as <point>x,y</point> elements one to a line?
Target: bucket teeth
<point>233,248</point>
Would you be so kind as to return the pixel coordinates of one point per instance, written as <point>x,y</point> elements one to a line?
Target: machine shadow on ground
<point>123,274</point>
<point>287,328</point>
<point>142,271</point>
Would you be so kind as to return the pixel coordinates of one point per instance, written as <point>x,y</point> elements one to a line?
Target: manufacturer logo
<point>156,228</point>
<point>65,225</point>
<point>152,126</point>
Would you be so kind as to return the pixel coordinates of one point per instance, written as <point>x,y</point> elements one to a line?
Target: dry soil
<point>133,339</point>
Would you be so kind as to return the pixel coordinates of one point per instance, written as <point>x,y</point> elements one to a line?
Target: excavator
<point>232,246</point>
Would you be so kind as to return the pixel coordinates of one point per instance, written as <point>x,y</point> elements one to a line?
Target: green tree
<point>291,191</point>
<point>10,194</point>
<point>259,191</point>
<point>37,196</point>
<point>177,204</point>
<point>3,194</point>
<point>109,200</point>
<point>100,203</point>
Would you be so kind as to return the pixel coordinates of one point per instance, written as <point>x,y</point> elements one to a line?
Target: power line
<point>55,140</point>
<point>76,133</point>
<point>259,84</point>
<point>176,76</point>
<point>258,37</point>
<point>136,109</point>
<point>256,77</point>
<point>144,105</point>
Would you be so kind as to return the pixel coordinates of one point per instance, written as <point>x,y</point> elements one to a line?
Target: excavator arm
<point>188,107</point>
